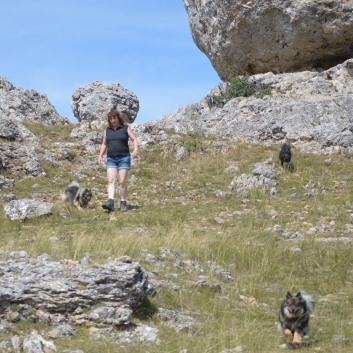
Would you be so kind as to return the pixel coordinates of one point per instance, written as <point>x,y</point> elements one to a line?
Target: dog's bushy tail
<point>63,197</point>
<point>310,302</point>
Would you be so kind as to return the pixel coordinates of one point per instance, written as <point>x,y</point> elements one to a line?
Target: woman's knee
<point>123,183</point>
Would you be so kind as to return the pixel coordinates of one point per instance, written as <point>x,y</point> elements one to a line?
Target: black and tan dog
<point>77,195</point>
<point>285,154</point>
<point>294,316</point>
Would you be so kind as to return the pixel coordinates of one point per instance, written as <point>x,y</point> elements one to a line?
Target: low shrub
<point>240,86</point>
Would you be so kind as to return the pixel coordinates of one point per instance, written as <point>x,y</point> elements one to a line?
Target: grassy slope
<point>266,265</point>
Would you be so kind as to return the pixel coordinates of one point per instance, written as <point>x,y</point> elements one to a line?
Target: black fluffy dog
<point>285,154</point>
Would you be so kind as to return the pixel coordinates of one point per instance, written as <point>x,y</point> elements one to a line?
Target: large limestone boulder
<point>92,103</point>
<point>26,105</point>
<point>259,36</point>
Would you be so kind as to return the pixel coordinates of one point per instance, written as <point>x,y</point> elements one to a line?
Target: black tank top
<point>117,141</point>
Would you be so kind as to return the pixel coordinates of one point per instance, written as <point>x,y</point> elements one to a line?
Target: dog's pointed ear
<point>299,295</point>
<point>289,295</point>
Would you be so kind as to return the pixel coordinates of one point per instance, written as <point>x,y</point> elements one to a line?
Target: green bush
<point>240,86</point>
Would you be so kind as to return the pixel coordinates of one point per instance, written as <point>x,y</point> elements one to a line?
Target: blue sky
<point>57,46</point>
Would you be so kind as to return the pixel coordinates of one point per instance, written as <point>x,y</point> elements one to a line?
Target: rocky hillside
<point>215,235</point>
<point>311,110</point>
<point>216,231</point>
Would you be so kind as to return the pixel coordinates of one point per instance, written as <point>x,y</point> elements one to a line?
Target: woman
<point>115,139</point>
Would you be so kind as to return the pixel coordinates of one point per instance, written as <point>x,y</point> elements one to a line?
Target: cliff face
<point>259,36</point>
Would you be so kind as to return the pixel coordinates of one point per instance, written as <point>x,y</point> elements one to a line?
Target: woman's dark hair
<point>117,114</point>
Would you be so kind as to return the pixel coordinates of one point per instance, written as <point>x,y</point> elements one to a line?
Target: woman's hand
<point>100,160</point>
<point>135,153</point>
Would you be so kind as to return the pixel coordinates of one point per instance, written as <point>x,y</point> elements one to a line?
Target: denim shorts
<point>119,162</point>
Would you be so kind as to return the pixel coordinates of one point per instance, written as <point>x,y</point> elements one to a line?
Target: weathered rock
<point>5,347</point>
<point>92,103</point>
<point>149,133</point>
<point>50,158</point>
<point>78,132</point>
<point>312,110</point>
<point>86,260</point>
<point>26,104</point>
<point>92,141</point>
<point>265,170</point>
<point>181,153</point>
<point>11,130</point>
<point>5,326</point>
<point>94,137</point>
<point>21,159</point>
<point>231,169</point>
<point>20,150</point>
<point>8,129</point>
<point>27,208</point>
<point>63,287</point>
<point>220,271</point>
<point>343,240</point>
<point>6,183</point>
<point>62,330</point>
<point>7,197</point>
<point>16,343</point>
<point>204,283</point>
<point>259,36</point>
<point>139,334</point>
<point>263,178</point>
<point>175,320</point>
<point>35,343</point>
<point>111,315</point>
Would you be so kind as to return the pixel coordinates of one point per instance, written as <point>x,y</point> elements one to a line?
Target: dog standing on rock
<point>285,154</point>
<point>77,195</point>
<point>294,316</point>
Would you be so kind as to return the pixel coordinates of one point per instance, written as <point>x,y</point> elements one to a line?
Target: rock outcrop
<point>26,105</point>
<point>92,103</point>
<point>260,36</point>
<point>66,294</point>
<point>264,177</point>
<point>43,290</point>
<point>310,109</point>
<point>21,159</point>
<point>27,208</point>
<point>20,149</point>
<point>12,130</point>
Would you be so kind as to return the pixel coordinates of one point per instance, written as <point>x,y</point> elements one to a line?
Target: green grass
<point>265,265</point>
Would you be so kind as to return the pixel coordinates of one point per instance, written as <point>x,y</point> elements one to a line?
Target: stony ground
<point>221,255</point>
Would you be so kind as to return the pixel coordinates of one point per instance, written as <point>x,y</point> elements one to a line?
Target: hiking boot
<point>123,207</point>
<point>109,205</point>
